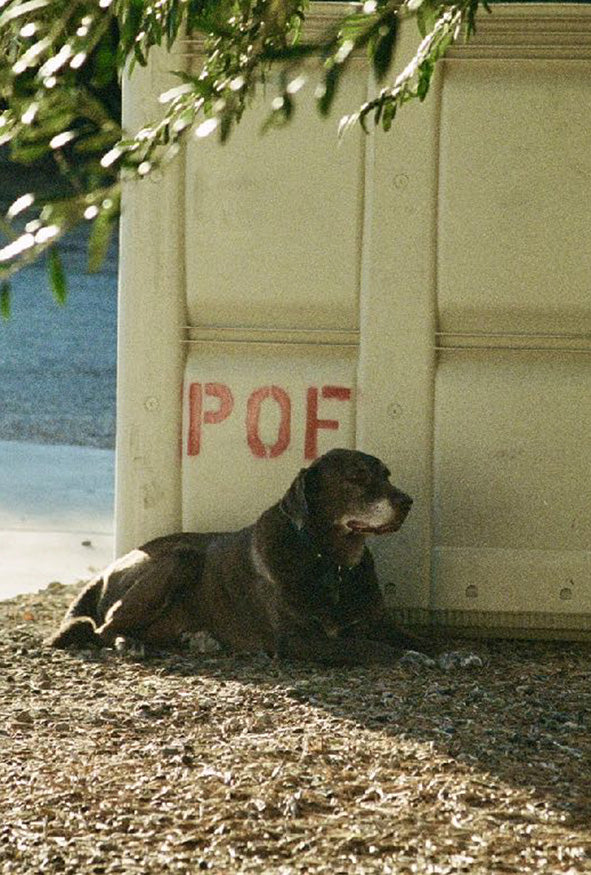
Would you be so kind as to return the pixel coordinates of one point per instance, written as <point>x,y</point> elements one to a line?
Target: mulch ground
<point>185,763</point>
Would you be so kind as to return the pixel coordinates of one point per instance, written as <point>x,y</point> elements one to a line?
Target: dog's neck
<point>334,545</point>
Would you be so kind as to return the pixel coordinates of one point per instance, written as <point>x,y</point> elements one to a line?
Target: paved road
<point>57,426</point>
<point>57,364</point>
<point>56,514</point>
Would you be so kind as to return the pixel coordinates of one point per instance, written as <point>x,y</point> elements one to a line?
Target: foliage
<point>60,58</point>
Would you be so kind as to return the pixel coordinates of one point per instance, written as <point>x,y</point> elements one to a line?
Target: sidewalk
<point>56,514</point>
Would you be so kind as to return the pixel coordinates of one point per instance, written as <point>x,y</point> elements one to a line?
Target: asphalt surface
<point>57,363</point>
<point>56,514</point>
<point>57,425</point>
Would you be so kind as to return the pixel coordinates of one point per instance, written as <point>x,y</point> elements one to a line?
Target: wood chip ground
<point>183,763</point>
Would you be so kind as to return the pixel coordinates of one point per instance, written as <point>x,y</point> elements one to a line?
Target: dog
<point>299,583</point>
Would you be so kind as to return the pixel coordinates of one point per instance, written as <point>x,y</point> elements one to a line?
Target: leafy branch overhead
<point>61,59</point>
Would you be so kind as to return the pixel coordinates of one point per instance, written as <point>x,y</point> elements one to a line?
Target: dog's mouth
<point>360,528</point>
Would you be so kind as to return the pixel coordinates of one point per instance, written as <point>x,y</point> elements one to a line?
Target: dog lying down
<point>299,583</point>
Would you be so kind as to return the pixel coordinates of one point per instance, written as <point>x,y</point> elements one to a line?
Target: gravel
<point>182,763</point>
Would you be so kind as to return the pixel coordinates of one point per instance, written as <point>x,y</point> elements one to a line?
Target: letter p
<point>198,416</point>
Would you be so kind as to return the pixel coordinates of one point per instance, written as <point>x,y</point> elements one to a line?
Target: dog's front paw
<point>130,647</point>
<point>201,642</point>
<point>415,660</point>
<point>455,659</point>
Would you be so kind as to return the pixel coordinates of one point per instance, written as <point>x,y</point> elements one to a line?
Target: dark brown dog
<point>299,583</point>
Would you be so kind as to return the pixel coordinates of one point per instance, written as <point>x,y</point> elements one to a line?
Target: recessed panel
<point>513,451</point>
<point>253,415</point>
<point>514,252</point>
<point>274,221</point>
<point>512,506</point>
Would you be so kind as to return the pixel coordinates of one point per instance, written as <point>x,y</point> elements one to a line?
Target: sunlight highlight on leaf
<point>47,233</point>
<point>29,115</point>
<point>111,156</point>
<point>54,64</point>
<point>22,203</point>
<point>28,30</point>
<point>173,93</point>
<point>78,59</point>
<point>61,139</point>
<point>296,84</point>
<point>207,128</point>
<point>21,244</point>
<point>20,9</point>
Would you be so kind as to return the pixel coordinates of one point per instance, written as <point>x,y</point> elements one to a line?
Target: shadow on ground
<point>525,717</point>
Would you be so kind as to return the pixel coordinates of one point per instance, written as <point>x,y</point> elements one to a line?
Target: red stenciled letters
<point>198,417</point>
<point>253,414</point>
<point>210,417</point>
<point>313,424</point>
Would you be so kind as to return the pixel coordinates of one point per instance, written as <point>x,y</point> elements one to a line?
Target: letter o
<point>253,415</point>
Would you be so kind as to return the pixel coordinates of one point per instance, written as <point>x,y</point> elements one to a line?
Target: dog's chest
<point>339,599</point>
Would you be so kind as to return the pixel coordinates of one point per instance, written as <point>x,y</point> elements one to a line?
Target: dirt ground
<point>186,763</point>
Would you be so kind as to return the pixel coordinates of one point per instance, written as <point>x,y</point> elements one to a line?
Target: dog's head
<point>346,490</point>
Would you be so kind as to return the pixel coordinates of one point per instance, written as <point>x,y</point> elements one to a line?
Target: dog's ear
<point>294,503</point>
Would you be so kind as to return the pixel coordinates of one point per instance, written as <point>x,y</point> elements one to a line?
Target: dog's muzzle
<point>400,504</point>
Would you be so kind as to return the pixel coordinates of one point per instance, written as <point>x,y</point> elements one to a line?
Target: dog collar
<point>333,575</point>
<point>310,542</point>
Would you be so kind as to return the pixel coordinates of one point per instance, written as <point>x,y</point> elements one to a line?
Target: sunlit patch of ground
<point>183,763</point>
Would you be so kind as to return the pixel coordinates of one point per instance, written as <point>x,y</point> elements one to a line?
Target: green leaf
<point>444,44</point>
<point>329,89</point>
<point>281,113</point>
<point>295,52</point>
<point>28,154</point>
<point>383,51</point>
<point>140,56</point>
<point>96,142</point>
<point>100,237</point>
<point>421,22</point>
<point>57,277</point>
<point>132,20</point>
<point>359,28</point>
<point>226,121</point>
<point>427,15</point>
<point>388,115</point>
<point>425,74</point>
<point>5,300</point>
<point>172,23</point>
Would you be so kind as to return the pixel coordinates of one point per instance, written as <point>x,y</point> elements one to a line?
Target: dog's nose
<point>404,502</point>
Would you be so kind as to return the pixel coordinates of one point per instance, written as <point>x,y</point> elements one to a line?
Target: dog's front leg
<point>388,632</point>
<point>422,651</point>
